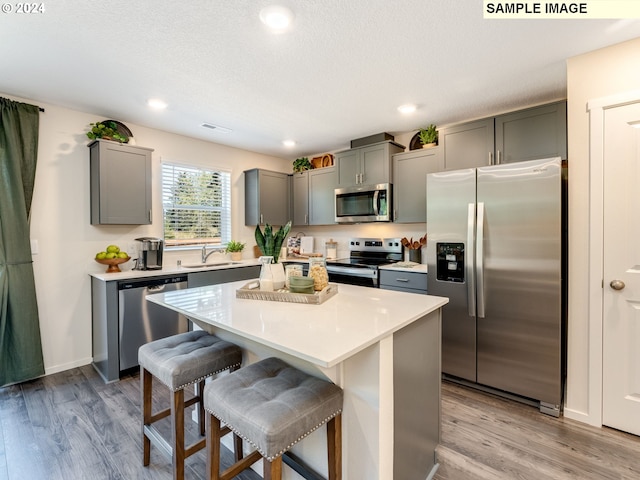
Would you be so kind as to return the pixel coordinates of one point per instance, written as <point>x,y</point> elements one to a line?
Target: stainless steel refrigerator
<point>494,247</point>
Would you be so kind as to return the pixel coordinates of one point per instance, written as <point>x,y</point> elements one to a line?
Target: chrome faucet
<point>205,255</point>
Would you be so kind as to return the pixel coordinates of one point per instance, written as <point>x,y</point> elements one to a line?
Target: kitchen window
<point>196,205</point>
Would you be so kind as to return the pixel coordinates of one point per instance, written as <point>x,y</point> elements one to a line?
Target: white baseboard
<point>580,416</point>
<point>67,366</point>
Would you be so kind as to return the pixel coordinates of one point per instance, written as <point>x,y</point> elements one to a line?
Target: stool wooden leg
<point>213,447</point>
<point>177,432</point>
<point>272,470</point>
<point>334,447</point>
<point>199,392</point>
<point>237,448</point>
<point>146,385</point>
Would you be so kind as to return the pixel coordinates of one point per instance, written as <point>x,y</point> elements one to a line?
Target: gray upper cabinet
<point>322,185</point>
<point>266,197</point>
<point>539,132</point>
<point>120,183</point>
<point>467,145</point>
<point>368,165</point>
<point>410,171</point>
<point>314,197</point>
<point>300,204</point>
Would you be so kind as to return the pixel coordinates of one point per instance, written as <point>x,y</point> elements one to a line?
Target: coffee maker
<point>149,253</point>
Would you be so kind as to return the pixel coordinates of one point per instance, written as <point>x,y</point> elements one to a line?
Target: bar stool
<point>177,362</point>
<point>273,406</point>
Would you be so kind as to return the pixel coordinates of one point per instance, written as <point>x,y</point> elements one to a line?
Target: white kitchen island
<point>382,347</point>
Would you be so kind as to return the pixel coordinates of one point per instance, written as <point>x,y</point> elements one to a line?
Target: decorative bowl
<point>113,263</point>
<point>294,289</point>
<point>300,281</point>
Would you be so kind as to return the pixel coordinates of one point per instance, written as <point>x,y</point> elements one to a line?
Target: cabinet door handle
<point>261,222</point>
<point>490,158</point>
<point>306,219</point>
<point>498,157</point>
<point>405,280</point>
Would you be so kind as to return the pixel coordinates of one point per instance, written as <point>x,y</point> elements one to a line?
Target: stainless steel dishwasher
<point>140,322</point>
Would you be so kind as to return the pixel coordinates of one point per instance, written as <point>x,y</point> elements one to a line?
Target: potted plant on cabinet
<point>106,130</point>
<point>428,136</point>
<point>301,164</point>
<point>235,249</point>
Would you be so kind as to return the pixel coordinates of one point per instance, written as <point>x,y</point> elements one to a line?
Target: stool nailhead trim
<point>288,447</point>
<point>181,387</point>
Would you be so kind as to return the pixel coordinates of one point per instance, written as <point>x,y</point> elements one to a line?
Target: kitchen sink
<point>205,265</point>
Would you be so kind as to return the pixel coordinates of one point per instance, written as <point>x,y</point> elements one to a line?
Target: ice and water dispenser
<point>450,262</point>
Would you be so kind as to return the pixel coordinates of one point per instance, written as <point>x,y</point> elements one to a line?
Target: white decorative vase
<point>277,271</point>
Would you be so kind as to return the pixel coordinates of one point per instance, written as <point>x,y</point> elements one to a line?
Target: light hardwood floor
<point>72,426</point>
<point>486,437</point>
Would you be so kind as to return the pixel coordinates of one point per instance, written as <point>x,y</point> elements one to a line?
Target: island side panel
<point>417,381</point>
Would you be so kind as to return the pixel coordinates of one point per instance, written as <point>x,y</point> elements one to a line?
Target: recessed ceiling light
<point>407,108</point>
<point>157,103</point>
<point>289,143</point>
<point>276,17</point>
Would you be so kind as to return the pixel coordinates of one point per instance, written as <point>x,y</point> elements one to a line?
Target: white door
<point>621,288</point>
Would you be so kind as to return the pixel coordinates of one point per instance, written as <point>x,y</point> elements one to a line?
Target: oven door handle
<point>356,272</point>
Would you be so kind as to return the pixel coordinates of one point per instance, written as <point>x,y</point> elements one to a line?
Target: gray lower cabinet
<point>122,320</point>
<point>369,165</point>
<point>538,132</point>
<point>412,282</point>
<point>215,277</point>
<point>266,197</point>
<point>410,171</point>
<point>120,183</point>
<point>314,196</point>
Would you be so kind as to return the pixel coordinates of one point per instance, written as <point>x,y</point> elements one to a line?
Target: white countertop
<point>418,268</point>
<point>324,334</point>
<point>173,270</point>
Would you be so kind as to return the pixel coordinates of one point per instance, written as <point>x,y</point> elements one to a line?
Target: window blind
<point>196,204</point>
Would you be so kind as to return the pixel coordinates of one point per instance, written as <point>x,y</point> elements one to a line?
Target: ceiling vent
<point>217,128</point>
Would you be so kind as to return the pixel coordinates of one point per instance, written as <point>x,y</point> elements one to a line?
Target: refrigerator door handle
<point>471,283</point>
<point>480,260</point>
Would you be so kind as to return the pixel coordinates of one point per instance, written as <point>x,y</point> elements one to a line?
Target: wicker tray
<point>252,291</point>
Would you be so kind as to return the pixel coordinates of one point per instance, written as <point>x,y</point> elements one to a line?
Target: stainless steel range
<point>365,256</point>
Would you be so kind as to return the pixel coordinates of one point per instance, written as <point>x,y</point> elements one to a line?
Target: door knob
<point>617,284</point>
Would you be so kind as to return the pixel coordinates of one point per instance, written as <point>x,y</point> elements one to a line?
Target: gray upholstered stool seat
<point>179,361</point>
<point>273,405</point>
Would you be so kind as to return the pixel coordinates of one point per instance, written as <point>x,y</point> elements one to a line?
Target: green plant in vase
<point>429,135</point>
<point>270,242</point>
<point>234,246</point>
<point>106,131</point>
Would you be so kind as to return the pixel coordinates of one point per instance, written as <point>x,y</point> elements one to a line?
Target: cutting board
<point>306,245</point>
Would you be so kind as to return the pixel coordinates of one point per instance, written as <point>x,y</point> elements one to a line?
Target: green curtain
<point>20,346</point>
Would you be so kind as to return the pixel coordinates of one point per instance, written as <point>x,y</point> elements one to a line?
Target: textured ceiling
<point>339,73</point>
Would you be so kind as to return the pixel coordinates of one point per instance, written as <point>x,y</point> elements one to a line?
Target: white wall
<point>597,74</point>
<point>67,242</point>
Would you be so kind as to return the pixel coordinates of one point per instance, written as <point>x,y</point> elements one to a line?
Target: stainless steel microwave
<point>363,203</point>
